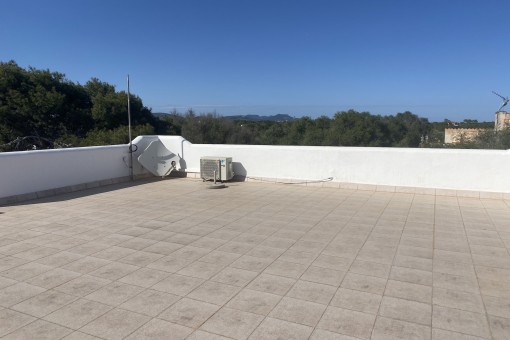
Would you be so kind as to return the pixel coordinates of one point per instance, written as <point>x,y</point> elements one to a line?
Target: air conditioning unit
<point>216,168</point>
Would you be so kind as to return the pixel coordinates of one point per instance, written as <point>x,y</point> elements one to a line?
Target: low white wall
<point>474,170</point>
<point>32,171</point>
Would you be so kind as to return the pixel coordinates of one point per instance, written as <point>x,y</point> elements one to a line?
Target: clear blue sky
<point>437,59</point>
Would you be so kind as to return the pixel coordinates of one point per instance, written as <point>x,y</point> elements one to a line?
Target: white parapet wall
<point>37,171</point>
<point>449,169</point>
<point>28,172</point>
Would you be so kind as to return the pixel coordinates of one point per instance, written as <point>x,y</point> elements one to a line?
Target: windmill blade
<point>497,94</point>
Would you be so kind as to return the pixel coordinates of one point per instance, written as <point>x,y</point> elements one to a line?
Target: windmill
<point>505,100</point>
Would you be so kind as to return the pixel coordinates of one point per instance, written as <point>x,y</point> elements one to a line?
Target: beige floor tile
<point>369,284</point>
<point>44,303</point>
<point>495,288</point>
<point>83,285</point>
<point>78,313</point>
<point>18,292</point>
<point>160,330</point>
<point>88,248</point>
<point>232,323</point>
<point>311,291</point>
<point>253,301</point>
<point>441,334</point>
<point>189,313</point>
<point>272,284</point>
<point>390,329</point>
<point>150,302</point>
<point>140,258</point>
<point>11,320</point>
<point>41,330</point>
<point>53,278</point>
<point>491,261</point>
<point>236,247</point>
<point>183,239</point>
<point>357,300</point>
<point>115,324</point>
<point>15,248</point>
<point>347,322</point>
<point>114,253</point>
<point>234,276</point>
<point>298,256</point>
<point>409,291</point>
<point>406,250</point>
<point>170,263</point>
<point>201,270</point>
<point>460,321</point>
<point>163,248</point>
<point>5,282</point>
<point>220,257</point>
<point>454,268</point>
<point>370,268</point>
<point>190,253</point>
<point>455,282</point>
<point>86,264</point>
<point>114,271</point>
<point>8,262</point>
<point>25,271</point>
<point>178,284</point>
<point>287,269</point>
<point>36,253</point>
<point>298,311</point>
<point>497,306</point>
<point>251,263</point>
<point>59,259</point>
<point>137,243</point>
<point>214,292</point>
<point>319,229</point>
<point>332,262</point>
<point>500,328</point>
<point>460,300</point>
<point>201,335</point>
<point>411,275</point>
<point>114,293</point>
<point>271,329</point>
<point>445,255</point>
<point>321,334</point>
<point>493,274</point>
<point>144,277</point>
<point>208,242</point>
<point>406,310</point>
<point>323,275</point>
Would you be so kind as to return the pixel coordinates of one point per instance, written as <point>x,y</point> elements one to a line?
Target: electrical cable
<point>329,179</point>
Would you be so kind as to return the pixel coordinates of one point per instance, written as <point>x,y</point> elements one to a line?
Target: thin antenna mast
<point>129,132</point>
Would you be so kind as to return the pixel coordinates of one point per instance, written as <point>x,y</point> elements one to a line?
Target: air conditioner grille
<point>222,166</point>
<point>207,168</point>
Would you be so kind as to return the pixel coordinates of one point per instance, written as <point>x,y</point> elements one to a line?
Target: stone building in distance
<point>460,135</point>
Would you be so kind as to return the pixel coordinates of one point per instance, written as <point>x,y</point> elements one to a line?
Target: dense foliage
<point>43,109</point>
<point>40,109</point>
<point>347,128</point>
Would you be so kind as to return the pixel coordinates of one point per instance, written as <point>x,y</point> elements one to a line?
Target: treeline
<point>41,109</point>
<point>346,128</point>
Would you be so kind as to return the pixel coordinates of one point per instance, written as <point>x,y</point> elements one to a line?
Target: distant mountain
<point>251,118</point>
<point>159,114</point>
<point>257,118</point>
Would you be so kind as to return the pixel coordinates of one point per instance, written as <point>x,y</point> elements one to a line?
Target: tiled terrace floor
<point>173,260</point>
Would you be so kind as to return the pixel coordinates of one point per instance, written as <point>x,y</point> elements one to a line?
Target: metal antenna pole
<point>129,132</point>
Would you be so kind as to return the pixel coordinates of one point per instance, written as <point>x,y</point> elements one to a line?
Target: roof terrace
<point>170,259</point>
